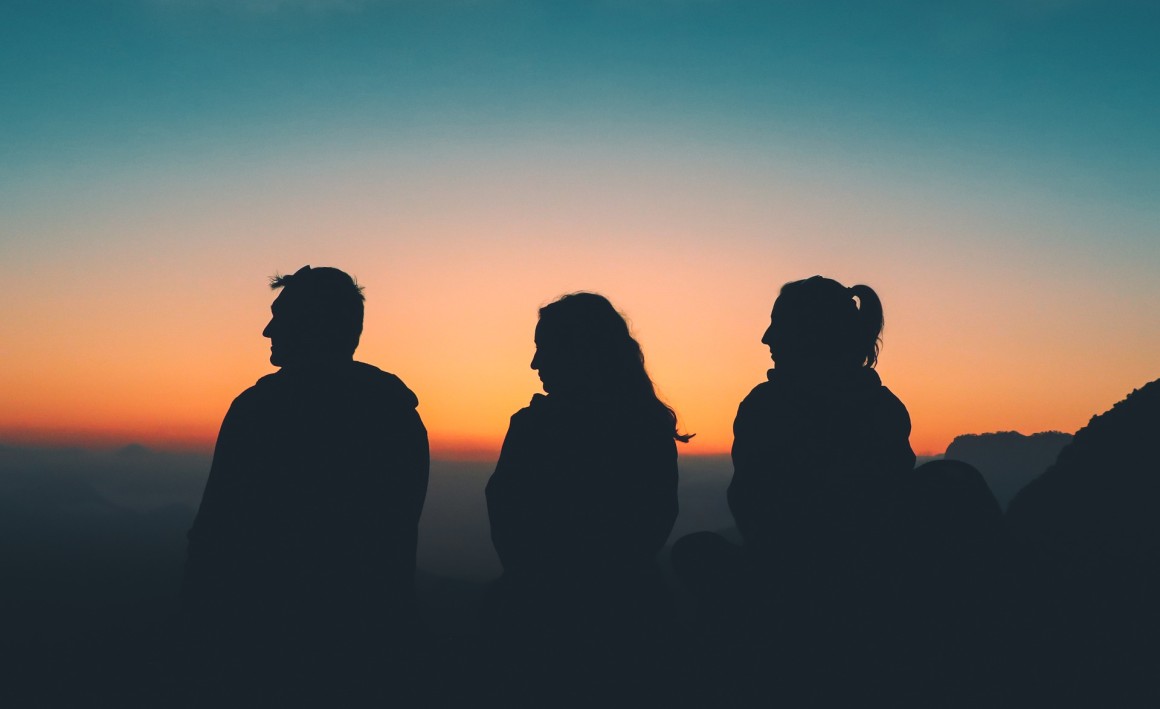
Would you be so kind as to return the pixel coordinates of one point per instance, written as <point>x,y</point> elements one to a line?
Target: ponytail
<point>870,323</point>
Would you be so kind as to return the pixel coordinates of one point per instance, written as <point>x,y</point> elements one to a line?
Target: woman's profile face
<point>546,360</point>
<point>774,333</point>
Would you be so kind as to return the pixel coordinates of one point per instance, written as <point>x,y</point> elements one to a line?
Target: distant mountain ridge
<point>1008,460</point>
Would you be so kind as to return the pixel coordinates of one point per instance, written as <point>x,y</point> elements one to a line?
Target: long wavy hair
<point>594,339</point>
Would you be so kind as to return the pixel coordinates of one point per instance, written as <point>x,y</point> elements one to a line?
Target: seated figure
<point>582,500</point>
<point>301,561</point>
<point>852,563</point>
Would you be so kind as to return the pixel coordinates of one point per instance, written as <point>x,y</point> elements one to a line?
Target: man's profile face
<point>305,331</point>
<point>286,332</point>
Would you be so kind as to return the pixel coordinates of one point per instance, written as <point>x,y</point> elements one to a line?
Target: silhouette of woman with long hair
<point>584,495</point>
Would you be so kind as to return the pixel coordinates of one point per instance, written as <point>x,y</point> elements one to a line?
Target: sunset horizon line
<point>470,451</point>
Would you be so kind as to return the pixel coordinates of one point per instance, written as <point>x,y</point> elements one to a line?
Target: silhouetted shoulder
<point>760,400</point>
<point>538,406</point>
<point>891,411</point>
<point>527,419</point>
<point>253,401</point>
<point>258,396</point>
<point>384,383</point>
<point>356,378</point>
<point>760,393</point>
<point>861,391</point>
<point>264,385</point>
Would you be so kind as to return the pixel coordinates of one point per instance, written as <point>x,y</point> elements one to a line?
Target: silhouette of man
<point>302,555</point>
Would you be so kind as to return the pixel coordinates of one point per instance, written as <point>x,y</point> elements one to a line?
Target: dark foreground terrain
<point>92,547</point>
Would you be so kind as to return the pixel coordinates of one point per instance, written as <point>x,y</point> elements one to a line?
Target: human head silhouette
<point>817,326</point>
<point>583,346</point>
<point>584,350</point>
<point>317,318</point>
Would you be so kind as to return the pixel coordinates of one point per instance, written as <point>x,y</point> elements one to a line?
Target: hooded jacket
<point>815,462</point>
<point>309,517</point>
<point>582,490</point>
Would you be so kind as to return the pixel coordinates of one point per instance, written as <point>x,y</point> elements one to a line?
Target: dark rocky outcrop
<point>1101,496</point>
<point>1088,531</point>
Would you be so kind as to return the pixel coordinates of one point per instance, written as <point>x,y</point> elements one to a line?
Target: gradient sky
<point>991,168</point>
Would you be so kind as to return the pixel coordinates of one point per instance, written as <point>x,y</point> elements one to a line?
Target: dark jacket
<point>582,491</point>
<point>816,463</point>
<point>308,524</point>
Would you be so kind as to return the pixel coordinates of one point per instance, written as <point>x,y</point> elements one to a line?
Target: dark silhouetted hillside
<point>1102,494</point>
<point>1008,460</point>
<point>1089,533</point>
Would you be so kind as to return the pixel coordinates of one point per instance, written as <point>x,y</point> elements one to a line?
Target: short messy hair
<point>332,293</point>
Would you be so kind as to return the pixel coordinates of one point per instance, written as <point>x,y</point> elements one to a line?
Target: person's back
<point>582,500</point>
<point>303,549</point>
<point>577,507</point>
<point>821,451</point>
<point>820,447</point>
<point>814,463</point>
<point>312,505</point>
<point>854,564</point>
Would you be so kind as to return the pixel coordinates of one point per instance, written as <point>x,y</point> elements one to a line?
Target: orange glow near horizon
<point>466,354</point>
<point>149,325</point>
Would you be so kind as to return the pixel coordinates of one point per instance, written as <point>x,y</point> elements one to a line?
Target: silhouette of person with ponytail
<point>854,565</point>
<point>818,446</point>
<point>583,498</point>
<point>820,451</point>
<point>300,573</point>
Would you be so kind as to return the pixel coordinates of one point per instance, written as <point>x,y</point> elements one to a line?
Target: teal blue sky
<point>1063,92</point>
